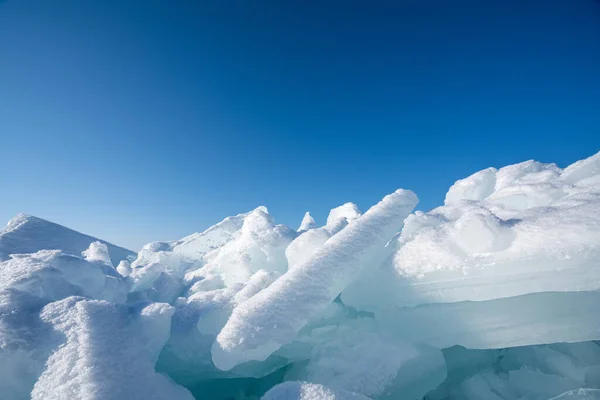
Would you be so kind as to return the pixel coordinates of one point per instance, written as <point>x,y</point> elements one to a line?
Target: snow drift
<point>493,295</point>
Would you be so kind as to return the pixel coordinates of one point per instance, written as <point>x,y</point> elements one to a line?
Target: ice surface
<point>29,234</point>
<point>493,295</point>
<point>272,318</point>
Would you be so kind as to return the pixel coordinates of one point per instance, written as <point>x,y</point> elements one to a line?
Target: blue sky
<point>142,121</point>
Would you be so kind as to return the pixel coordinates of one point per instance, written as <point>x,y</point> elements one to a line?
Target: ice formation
<point>493,295</point>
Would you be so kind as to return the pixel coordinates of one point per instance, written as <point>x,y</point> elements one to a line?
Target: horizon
<point>138,124</point>
<point>318,222</point>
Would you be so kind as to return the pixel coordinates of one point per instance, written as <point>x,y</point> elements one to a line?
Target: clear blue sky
<point>137,121</point>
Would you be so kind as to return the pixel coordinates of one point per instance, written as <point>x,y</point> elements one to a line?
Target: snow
<point>109,352</point>
<point>493,295</point>
<point>29,234</point>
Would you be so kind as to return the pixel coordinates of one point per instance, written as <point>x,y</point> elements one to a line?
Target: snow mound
<point>29,234</point>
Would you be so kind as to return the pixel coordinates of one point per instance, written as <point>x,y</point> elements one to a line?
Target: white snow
<point>493,295</point>
<point>29,234</point>
<point>109,352</point>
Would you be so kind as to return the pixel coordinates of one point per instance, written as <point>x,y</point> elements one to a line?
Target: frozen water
<point>493,295</point>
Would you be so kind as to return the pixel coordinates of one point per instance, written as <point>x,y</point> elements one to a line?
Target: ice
<point>308,222</point>
<point>109,352</point>
<point>347,211</point>
<point>27,283</point>
<point>467,263</point>
<point>304,246</point>
<point>229,253</point>
<point>309,391</point>
<point>356,355</point>
<point>98,252</point>
<point>493,295</point>
<point>29,234</point>
<point>533,372</point>
<point>272,318</point>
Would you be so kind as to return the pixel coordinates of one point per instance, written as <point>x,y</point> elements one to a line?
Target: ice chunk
<point>52,275</point>
<point>258,243</point>
<point>29,234</point>
<point>308,222</point>
<point>515,321</point>
<point>98,252</point>
<point>272,318</point>
<point>347,211</point>
<point>304,246</point>
<point>476,187</point>
<point>124,268</point>
<point>109,352</point>
<point>533,232</point>
<point>309,391</point>
<point>531,372</point>
<point>582,169</point>
<point>27,283</point>
<point>357,356</point>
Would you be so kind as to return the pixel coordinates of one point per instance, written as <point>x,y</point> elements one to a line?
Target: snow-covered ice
<point>493,295</point>
<point>28,234</point>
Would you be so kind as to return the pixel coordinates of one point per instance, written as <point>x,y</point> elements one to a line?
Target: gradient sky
<point>137,121</point>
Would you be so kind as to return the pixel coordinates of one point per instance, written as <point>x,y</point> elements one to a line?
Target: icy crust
<point>109,352</point>
<point>29,234</point>
<point>272,318</point>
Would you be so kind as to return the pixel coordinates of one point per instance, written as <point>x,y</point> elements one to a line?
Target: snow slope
<point>28,234</point>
